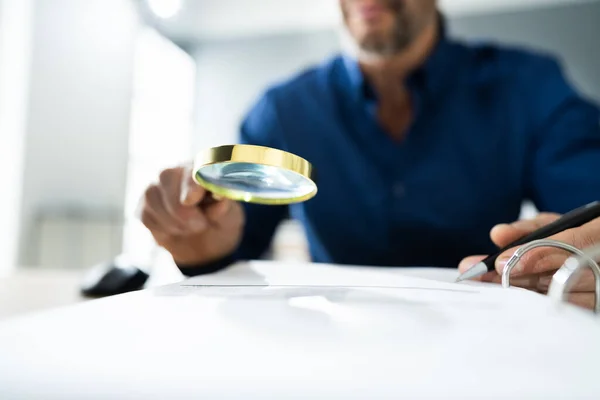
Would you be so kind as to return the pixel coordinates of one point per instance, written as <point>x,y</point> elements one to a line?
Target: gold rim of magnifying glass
<point>255,155</point>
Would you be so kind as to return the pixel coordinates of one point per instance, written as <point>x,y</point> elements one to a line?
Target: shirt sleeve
<point>564,158</point>
<point>260,127</point>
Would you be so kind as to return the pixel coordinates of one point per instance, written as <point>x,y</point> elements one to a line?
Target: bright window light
<point>165,8</point>
<point>162,119</point>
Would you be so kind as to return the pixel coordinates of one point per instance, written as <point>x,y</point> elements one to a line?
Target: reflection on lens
<point>255,179</point>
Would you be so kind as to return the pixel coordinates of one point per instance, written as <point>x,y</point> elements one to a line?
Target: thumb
<point>504,234</point>
<point>191,193</point>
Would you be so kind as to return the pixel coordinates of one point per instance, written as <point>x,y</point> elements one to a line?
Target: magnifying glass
<point>255,174</point>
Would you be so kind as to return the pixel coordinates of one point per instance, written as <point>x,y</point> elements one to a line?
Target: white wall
<point>15,37</point>
<point>231,74</point>
<point>206,20</point>
<point>570,32</point>
<point>78,125</point>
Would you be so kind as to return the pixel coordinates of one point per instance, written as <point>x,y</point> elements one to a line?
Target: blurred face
<point>386,27</point>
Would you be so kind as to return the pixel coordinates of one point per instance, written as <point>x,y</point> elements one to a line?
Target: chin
<point>374,42</point>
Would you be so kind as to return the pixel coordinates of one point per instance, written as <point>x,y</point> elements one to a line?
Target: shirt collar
<point>429,78</point>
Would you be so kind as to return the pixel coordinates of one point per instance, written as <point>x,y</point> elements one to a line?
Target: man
<point>422,144</point>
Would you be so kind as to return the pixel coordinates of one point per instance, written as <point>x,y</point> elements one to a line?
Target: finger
<point>153,226</point>
<point>534,262</point>
<point>525,282</point>
<point>156,208</point>
<point>191,192</point>
<point>585,282</point>
<point>170,186</point>
<point>544,259</point>
<point>541,283</point>
<point>585,300</point>
<point>149,221</point>
<point>217,210</point>
<point>504,234</point>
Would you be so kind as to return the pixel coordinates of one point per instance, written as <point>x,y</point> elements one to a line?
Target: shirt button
<point>399,190</point>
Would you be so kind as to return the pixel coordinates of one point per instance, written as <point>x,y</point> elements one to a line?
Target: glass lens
<point>258,180</point>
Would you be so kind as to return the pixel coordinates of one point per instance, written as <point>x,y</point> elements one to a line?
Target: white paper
<point>268,330</point>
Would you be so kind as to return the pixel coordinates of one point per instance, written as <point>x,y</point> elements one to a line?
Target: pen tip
<point>474,272</point>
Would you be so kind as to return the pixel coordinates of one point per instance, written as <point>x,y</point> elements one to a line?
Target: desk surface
<point>28,290</point>
<point>31,290</point>
<point>259,330</point>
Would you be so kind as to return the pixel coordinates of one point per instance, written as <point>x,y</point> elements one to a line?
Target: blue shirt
<point>493,127</point>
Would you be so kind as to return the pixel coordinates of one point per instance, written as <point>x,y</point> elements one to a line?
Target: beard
<point>392,42</point>
<point>396,39</point>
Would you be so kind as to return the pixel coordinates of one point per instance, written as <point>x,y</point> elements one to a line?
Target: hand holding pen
<point>580,228</point>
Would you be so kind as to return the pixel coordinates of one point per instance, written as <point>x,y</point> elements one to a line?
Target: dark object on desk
<point>572,219</point>
<point>110,279</point>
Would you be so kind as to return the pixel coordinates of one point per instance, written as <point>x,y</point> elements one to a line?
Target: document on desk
<point>277,330</point>
<point>368,294</point>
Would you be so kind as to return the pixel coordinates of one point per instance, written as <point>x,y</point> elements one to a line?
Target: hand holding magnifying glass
<point>195,214</point>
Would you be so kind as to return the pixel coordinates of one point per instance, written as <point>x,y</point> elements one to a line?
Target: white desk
<point>31,290</point>
<point>267,331</point>
<point>28,290</point>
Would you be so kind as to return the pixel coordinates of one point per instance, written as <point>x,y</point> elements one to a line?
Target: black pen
<point>572,219</point>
